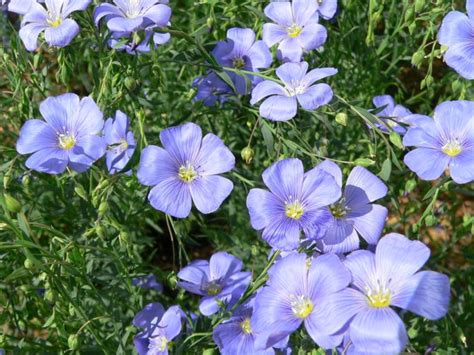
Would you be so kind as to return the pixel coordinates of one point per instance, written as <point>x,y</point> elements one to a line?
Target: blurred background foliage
<point>71,244</point>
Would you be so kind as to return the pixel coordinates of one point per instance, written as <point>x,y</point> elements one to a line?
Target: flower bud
<point>73,342</point>
<point>12,204</point>
<point>341,118</point>
<point>247,154</point>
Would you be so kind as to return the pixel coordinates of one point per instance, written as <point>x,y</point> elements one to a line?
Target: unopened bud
<point>247,154</point>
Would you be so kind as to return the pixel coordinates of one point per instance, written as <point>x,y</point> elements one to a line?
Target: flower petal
<point>319,335</point>
<point>259,55</point>
<point>193,276</point>
<point>455,28</point>
<point>361,263</point>
<point>378,330</point>
<point>283,234</point>
<point>273,33</point>
<point>87,150</point>
<point>315,96</point>
<point>63,34</point>
<point>285,178</point>
<point>327,275</point>
<point>172,197</point>
<point>75,5</point>
<point>29,35</point>
<point>266,88</point>
<point>363,187</point>
<point>149,315</point>
<point>171,322</point>
<point>241,40</point>
<point>461,167</point>
<point>333,169</point>
<point>50,160</point>
<point>222,265</point>
<point>455,119</point>
<point>303,11</point>
<point>159,15</point>
<point>328,9</point>
<point>124,24</point>
<point>318,74</point>
<point>337,231</point>
<point>89,119</point>
<point>424,135</point>
<point>36,135</point>
<point>182,142</point>
<point>209,192</point>
<point>292,72</point>
<point>398,257</point>
<point>105,9</point>
<point>350,243</point>
<point>313,36</point>
<point>319,189</point>
<point>214,157</point>
<point>263,208</point>
<point>290,50</point>
<point>427,163</point>
<point>278,108</point>
<point>459,57</point>
<point>156,165</point>
<point>279,12</point>
<point>426,293</point>
<point>370,224</point>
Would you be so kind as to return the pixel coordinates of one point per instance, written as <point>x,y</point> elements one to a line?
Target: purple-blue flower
<point>446,142</point>
<point>236,336</point>
<point>389,278</point>
<point>147,283</point>
<point>186,170</point>
<point>295,28</point>
<point>160,328</point>
<point>211,89</point>
<point>59,30</point>
<point>393,114</point>
<point>219,280</point>
<point>69,136</point>
<point>354,213</point>
<point>120,141</point>
<point>296,286</point>
<point>457,33</point>
<point>133,15</point>
<point>281,102</point>
<point>242,51</point>
<point>133,43</point>
<point>295,203</point>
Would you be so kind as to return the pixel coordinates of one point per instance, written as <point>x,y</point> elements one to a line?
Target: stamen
<point>187,173</point>
<point>294,210</point>
<point>238,63</point>
<point>452,148</point>
<point>213,288</point>
<point>294,30</point>
<point>339,209</point>
<point>301,306</point>
<point>379,297</point>
<point>159,343</point>
<point>245,325</point>
<point>66,141</point>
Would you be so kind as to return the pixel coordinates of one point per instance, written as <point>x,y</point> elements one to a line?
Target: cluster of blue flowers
<point>343,295</point>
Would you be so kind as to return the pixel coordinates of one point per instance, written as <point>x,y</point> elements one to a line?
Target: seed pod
<point>341,118</point>
<point>247,154</point>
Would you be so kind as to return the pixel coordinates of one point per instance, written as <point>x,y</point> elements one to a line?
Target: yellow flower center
<point>339,209</point>
<point>379,298</point>
<point>294,210</point>
<point>159,343</point>
<point>213,289</point>
<point>294,30</point>
<point>238,63</point>
<point>245,325</point>
<point>452,148</point>
<point>66,141</point>
<point>187,173</point>
<point>55,23</point>
<point>301,306</point>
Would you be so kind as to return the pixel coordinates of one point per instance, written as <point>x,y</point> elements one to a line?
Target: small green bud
<point>364,162</point>
<point>409,14</point>
<point>419,4</point>
<point>247,154</point>
<point>81,192</point>
<point>29,264</point>
<point>417,58</point>
<point>412,27</point>
<point>430,221</point>
<point>12,204</point>
<point>73,342</point>
<point>25,180</point>
<point>209,22</point>
<point>341,118</point>
<point>103,208</point>
<point>130,83</point>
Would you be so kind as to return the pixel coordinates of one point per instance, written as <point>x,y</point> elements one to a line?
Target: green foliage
<point>71,244</point>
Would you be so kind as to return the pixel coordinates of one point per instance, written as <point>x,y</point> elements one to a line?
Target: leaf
<point>268,138</point>
<point>364,162</point>
<point>386,170</point>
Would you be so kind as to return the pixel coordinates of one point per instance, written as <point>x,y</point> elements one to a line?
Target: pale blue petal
<point>427,163</point>
<point>285,178</point>
<point>172,197</point>
<point>156,165</point>
<point>263,208</point>
<point>209,192</point>
<point>313,36</point>
<point>456,28</point>
<point>214,157</point>
<point>363,187</point>
<point>50,160</point>
<point>461,167</point>
<point>36,135</point>
<point>279,108</point>
<point>273,34</point>
<point>315,96</point>
<point>63,34</point>
<point>370,224</point>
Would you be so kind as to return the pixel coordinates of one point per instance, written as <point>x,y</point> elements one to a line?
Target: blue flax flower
<point>133,15</point>
<point>445,142</point>
<point>159,328</point>
<point>147,283</point>
<point>69,136</point>
<point>59,30</point>
<point>295,203</point>
<point>392,114</point>
<point>219,280</point>
<point>354,213</point>
<point>236,336</point>
<point>457,34</point>
<point>120,141</point>
<point>211,89</point>
<point>389,278</point>
<point>242,51</point>
<point>186,169</point>
<point>295,28</point>
<point>281,102</point>
<point>296,285</point>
